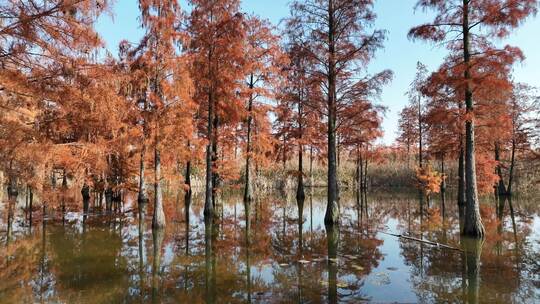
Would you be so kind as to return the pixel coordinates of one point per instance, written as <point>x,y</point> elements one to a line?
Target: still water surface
<point>283,255</point>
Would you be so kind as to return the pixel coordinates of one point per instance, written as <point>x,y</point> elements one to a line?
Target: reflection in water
<point>157,240</point>
<point>210,260</point>
<point>332,239</point>
<point>141,247</point>
<point>300,219</point>
<point>247,248</point>
<point>473,250</point>
<point>276,253</point>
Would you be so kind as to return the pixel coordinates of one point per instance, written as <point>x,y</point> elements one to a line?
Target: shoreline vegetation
<point>386,175</point>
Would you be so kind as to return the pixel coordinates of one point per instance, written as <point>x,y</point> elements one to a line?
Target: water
<point>281,258</point>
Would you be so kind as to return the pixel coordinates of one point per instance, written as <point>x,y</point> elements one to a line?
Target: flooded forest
<point>228,157</point>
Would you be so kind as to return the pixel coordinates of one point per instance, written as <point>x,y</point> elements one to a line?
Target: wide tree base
<point>474,231</point>
<point>332,214</point>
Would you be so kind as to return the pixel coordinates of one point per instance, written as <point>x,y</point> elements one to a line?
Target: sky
<point>399,54</point>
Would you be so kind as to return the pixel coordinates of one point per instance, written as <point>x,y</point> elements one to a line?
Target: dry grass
<point>389,174</point>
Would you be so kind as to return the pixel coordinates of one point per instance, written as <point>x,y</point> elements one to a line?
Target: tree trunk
<point>473,223</point>
<point>300,193</point>
<point>187,183</point>
<point>360,172</point>
<point>420,135</point>
<point>512,166</point>
<point>158,219</point>
<point>247,186</point>
<point>85,192</point>
<point>311,184</point>
<point>215,175</point>
<point>461,177</point>
<point>142,198</point>
<point>357,173</point>
<point>408,152</point>
<point>9,232</point>
<point>108,199</point>
<point>501,188</point>
<point>365,175</point>
<point>332,211</point>
<point>443,187</point>
<point>30,204</point>
<point>337,151</point>
<point>208,201</point>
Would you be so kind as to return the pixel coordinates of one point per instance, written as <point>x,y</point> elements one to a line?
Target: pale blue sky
<point>399,54</point>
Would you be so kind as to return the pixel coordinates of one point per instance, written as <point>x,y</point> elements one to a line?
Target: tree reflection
<point>141,247</point>
<point>272,256</point>
<point>77,270</point>
<point>210,260</point>
<point>332,237</point>
<point>248,245</point>
<point>473,250</point>
<point>157,241</point>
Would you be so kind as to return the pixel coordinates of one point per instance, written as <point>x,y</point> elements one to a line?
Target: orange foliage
<point>428,180</point>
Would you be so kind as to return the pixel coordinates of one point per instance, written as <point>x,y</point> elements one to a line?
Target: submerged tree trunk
<point>300,194</point>
<point>10,213</point>
<point>473,223</point>
<point>30,205</point>
<point>443,187</point>
<point>85,192</point>
<point>64,192</point>
<point>108,198</point>
<point>501,188</point>
<point>158,219</point>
